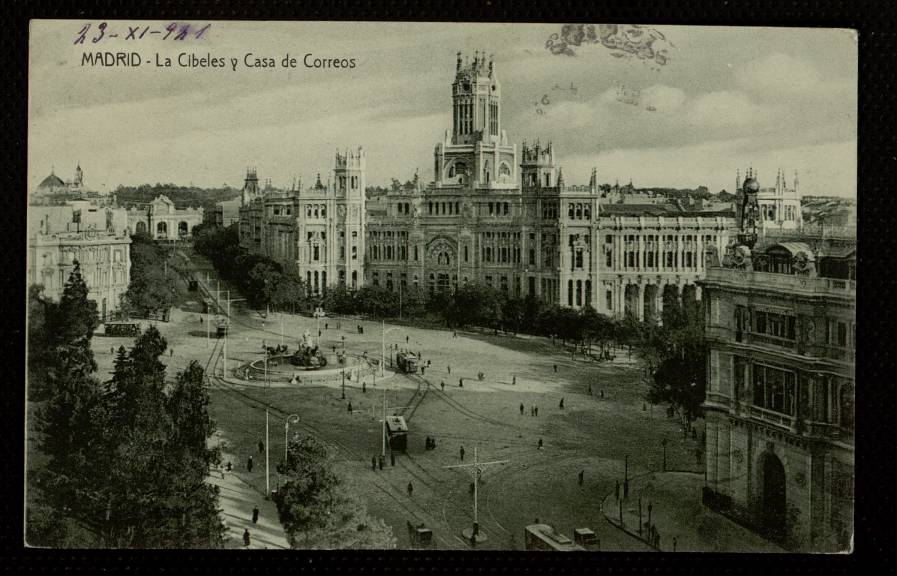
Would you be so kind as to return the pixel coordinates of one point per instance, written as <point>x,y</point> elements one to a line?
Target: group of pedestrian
<point>377,462</point>
<point>430,443</point>
<point>533,411</point>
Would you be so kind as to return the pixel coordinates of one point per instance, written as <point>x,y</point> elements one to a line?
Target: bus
<point>542,537</point>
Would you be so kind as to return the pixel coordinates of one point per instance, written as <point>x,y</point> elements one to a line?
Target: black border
<point>877,149</point>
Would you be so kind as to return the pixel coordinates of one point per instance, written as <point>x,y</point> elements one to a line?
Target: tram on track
<point>543,538</point>
<point>407,362</point>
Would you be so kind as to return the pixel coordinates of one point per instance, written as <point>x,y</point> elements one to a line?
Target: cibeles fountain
<point>309,362</point>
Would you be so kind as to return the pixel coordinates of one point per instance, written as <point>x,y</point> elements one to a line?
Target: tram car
<point>587,538</point>
<point>407,362</point>
<point>421,537</point>
<point>397,433</point>
<point>221,330</point>
<point>543,538</point>
<point>121,329</point>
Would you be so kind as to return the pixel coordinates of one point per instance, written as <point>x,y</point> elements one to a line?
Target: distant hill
<point>182,196</point>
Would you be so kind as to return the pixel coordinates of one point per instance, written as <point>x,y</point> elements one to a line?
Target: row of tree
<point>122,463</point>
<point>153,287</point>
<point>261,280</point>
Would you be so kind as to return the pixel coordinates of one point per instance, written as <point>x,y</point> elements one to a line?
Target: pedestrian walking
<point>449,369</point>
<point>380,462</point>
<point>514,381</point>
<point>249,464</point>
<point>536,411</point>
<point>540,443</point>
<point>255,514</point>
<point>392,459</point>
<point>246,538</point>
<point>112,350</point>
<point>406,339</point>
<point>410,489</point>
<point>617,490</point>
<point>555,368</point>
<point>582,474</point>
<point>349,408</point>
<point>364,388</point>
<point>461,452</point>
<point>428,363</point>
<point>326,325</point>
<point>455,334</point>
<point>602,394</point>
<point>422,369</point>
<point>374,463</point>
<point>561,404</point>
<point>460,382</point>
<point>590,389</point>
<point>261,447</point>
<point>171,352</point>
<point>521,408</point>
<point>442,384</point>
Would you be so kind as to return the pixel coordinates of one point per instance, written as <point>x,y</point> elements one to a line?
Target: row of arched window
<point>579,211</point>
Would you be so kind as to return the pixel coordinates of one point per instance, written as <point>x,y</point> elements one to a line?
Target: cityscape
<point>486,355</point>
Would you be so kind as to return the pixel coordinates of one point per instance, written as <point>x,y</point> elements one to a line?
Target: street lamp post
<point>343,373</point>
<point>291,419</point>
<point>664,442</point>
<point>383,333</point>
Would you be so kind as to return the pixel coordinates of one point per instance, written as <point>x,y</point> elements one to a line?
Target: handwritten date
<point>172,31</point>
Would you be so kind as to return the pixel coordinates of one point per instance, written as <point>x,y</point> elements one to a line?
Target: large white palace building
<point>493,214</point>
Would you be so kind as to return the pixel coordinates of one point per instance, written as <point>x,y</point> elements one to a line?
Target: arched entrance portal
<point>650,311</point>
<point>772,506</point>
<point>182,229</point>
<point>141,227</point>
<point>631,300</point>
<point>162,230</point>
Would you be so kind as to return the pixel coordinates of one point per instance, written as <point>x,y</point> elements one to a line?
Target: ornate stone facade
<point>514,224</point>
<point>780,323</point>
<point>317,232</point>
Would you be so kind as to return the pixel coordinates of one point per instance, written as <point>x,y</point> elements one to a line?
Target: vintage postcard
<point>345,285</point>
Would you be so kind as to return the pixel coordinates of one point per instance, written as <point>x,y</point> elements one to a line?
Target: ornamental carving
<point>441,252</point>
<point>738,456</point>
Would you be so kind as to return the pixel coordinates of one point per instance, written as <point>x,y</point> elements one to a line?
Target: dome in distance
<point>751,185</point>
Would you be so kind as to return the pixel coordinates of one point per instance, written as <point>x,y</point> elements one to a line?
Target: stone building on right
<point>781,333</point>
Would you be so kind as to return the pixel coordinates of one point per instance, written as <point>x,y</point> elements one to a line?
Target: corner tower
<point>349,196</point>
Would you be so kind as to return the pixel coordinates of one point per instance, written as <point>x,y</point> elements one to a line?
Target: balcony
<point>803,285</point>
<point>771,417</point>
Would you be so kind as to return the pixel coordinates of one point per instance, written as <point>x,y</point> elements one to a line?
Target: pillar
<point>640,314</point>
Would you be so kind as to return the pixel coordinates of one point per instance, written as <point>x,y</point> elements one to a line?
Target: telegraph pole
<point>476,467</point>
<point>208,318</point>
<point>267,439</point>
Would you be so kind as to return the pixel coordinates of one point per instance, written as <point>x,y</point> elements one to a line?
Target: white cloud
<point>663,98</point>
<point>726,109</point>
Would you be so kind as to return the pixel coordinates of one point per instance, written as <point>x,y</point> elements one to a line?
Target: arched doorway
<point>182,229</point>
<point>162,230</point>
<point>631,300</point>
<point>141,227</point>
<point>773,503</point>
<point>650,310</point>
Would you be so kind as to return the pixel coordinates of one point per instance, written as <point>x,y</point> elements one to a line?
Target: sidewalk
<point>236,499</point>
<point>677,512</point>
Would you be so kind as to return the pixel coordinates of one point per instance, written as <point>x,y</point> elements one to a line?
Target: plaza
<point>591,433</point>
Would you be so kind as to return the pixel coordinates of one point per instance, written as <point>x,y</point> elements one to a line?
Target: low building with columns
<point>781,330</point>
<point>161,220</point>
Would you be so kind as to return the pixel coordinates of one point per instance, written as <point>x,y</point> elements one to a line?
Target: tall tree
<point>316,511</point>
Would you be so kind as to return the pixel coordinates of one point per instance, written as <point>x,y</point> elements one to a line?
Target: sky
<point>725,99</point>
